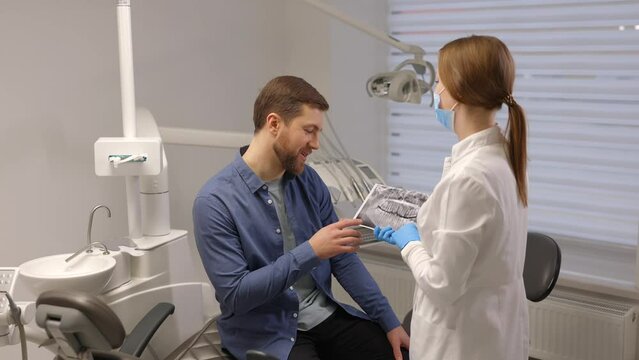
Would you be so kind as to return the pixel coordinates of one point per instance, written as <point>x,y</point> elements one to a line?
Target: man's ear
<point>273,123</point>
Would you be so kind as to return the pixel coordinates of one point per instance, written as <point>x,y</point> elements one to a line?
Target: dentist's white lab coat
<point>470,301</point>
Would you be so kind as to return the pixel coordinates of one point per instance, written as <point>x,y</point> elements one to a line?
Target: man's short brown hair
<point>285,96</point>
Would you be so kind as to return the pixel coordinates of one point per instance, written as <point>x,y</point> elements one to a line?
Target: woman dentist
<point>466,251</point>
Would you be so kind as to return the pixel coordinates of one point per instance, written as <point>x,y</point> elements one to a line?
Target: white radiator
<point>567,326</point>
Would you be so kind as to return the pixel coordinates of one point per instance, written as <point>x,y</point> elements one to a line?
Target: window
<point>578,80</point>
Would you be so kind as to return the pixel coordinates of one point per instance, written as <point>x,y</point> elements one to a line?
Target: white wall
<point>197,65</point>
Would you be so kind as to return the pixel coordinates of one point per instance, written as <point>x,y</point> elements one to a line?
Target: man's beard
<point>288,159</point>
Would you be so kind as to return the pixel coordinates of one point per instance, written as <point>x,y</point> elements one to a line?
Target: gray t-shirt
<point>315,307</point>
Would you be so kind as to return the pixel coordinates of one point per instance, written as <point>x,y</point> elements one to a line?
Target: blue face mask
<point>445,117</point>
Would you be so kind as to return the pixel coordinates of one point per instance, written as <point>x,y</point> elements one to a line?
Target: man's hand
<point>336,238</point>
<point>398,338</point>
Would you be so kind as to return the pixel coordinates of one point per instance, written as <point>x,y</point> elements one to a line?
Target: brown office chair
<point>82,326</point>
<point>541,269</point>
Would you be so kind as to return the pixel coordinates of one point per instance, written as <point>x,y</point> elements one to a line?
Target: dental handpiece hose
<point>15,315</point>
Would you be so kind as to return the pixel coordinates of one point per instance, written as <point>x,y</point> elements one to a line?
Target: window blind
<point>577,64</point>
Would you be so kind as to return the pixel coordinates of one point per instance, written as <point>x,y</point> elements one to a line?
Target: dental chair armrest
<point>137,340</point>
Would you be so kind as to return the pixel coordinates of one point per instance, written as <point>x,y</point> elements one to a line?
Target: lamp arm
<point>127,87</point>
<point>332,11</point>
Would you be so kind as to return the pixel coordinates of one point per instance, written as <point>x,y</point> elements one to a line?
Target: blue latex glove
<point>384,234</point>
<point>399,237</point>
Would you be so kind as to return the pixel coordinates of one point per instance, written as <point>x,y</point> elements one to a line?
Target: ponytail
<point>479,71</point>
<point>516,145</point>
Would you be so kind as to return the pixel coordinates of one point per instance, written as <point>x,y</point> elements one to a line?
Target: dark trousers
<point>343,336</point>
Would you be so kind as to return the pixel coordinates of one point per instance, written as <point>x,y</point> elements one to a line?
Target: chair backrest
<point>84,327</point>
<point>541,267</point>
<point>78,321</point>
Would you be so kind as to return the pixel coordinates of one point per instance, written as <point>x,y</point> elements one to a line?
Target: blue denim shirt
<point>239,240</point>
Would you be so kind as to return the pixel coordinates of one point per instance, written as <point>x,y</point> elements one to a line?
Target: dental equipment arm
<point>145,171</point>
<point>127,89</point>
<point>332,11</point>
<point>397,85</point>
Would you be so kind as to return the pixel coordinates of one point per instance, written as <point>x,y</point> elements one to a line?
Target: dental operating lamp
<point>397,85</point>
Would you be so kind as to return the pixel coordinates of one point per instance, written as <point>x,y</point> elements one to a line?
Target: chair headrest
<point>99,313</point>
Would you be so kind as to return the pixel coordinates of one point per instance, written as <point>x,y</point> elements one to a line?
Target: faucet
<point>89,249</point>
<point>90,244</point>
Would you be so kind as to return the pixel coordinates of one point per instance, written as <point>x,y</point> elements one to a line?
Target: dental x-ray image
<point>390,206</point>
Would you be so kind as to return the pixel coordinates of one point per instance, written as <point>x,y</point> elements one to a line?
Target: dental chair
<point>541,269</point>
<point>83,327</point>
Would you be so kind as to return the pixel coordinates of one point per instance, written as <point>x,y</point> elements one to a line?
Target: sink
<point>89,272</point>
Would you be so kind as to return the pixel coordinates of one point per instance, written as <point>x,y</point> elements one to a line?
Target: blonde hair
<point>480,71</point>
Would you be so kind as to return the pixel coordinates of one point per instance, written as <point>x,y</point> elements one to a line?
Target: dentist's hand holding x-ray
<point>399,237</point>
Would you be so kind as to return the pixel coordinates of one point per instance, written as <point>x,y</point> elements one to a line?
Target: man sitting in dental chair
<point>269,239</point>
